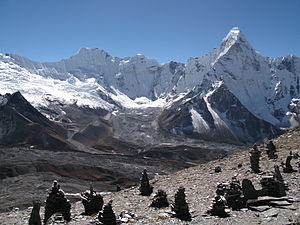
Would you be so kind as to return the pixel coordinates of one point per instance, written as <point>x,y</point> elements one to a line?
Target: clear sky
<point>49,30</point>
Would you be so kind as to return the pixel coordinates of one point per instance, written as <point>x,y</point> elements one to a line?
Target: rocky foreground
<point>200,183</point>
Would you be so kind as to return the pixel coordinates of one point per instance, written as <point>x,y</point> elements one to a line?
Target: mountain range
<point>232,94</point>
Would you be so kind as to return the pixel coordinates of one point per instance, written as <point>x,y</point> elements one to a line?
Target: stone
<point>287,167</point>
<point>145,189</point>
<point>281,186</point>
<point>91,201</point>
<point>272,187</point>
<point>268,201</point>
<point>218,169</point>
<point>160,200</point>
<point>218,207</point>
<point>233,195</point>
<point>271,213</point>
<point>180,206</point>
<point>57,202</point>
<point>261,208</point>
<point>35,218</point>
<point>271,149</point>
<point>221,189</point>
<point>254,159</point>
<point>277,174</point>
<point>107,217</point>
<point>126,216</point>
<point>248,189</point>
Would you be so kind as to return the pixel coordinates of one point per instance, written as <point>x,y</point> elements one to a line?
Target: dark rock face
<point>245,126</point>
<point>237,124</point>
<point>57,202</point>
<point>160,200</point>
<point>21,124</point>
<point>107,217</point>
<point>180,206</point>
<point>146,189</point>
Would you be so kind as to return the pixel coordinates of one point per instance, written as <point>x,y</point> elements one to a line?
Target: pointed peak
<point>233,38</point>
<point>234,35</point>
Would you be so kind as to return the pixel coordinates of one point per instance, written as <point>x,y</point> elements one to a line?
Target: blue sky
<point>49,30</point>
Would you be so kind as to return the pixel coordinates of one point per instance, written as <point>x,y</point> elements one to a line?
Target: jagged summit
<point>91,51</point>
<point>235,36</point>
<point>235,33</point>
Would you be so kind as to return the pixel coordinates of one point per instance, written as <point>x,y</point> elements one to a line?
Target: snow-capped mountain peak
<point>264,86</point>
<point>234,37</point>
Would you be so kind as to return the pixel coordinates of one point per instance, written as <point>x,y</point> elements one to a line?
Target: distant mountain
<point>22,124</point>
<point>232,93</point>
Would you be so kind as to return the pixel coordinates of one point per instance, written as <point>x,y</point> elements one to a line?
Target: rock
<point>287,167</point>
<point>145,189</point>
<point>254,159</point>
<point>92,201</point>
<point>218,207</point>
<point>261,208</point>
<point>107,217</point>
<point>57,202</point>
<point>279,203</point>
<point>160,200</point>
<point>218,169</point>
<point>249,191</point>
<point>271,149</point>
<point>180,206</point>
<point>233,195</point>
<point>271,213</point>
<point>35,218</point>
<point>272,187</point>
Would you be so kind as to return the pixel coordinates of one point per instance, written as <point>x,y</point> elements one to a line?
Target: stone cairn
<point>218,207</point>
<point>277,174</point>
<point>35,218</point>
<point>254,159</point>
<point>180,206</point>
<point>160,200</point>
<point>287,167</point>
<point>272,187</point>
<point>107,217</point>
<point>271,150</point>
<point>145,189</point>
<point>57,203</point>
<point>249,190</point>
<point>233,195</point>
<point>92,201</point>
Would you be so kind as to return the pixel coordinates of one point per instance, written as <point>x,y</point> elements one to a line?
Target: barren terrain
<point>200,183</point>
